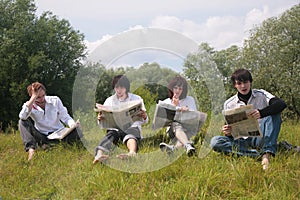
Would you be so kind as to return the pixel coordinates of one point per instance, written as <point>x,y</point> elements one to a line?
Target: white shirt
<point>114,101</point>
<point>48,120</point>
<point>259,99</point>
<point>188,102</point>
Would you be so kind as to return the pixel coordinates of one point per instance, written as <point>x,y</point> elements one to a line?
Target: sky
<point>220,23</point>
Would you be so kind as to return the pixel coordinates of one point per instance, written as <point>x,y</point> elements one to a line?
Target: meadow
<point>67,172</point>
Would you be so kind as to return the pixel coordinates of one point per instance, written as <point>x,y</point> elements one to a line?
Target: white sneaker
<point>166,147</point>
<point>190,150</point>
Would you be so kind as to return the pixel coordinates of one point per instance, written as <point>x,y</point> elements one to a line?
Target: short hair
<point>121,81</point>
<point>178,81</point>
<point>241,75</point>
<point>36,86</point>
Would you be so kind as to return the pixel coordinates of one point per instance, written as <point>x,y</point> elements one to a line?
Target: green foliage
<point>272,53</point>
<point>32,48</point>
<point>205,79</point>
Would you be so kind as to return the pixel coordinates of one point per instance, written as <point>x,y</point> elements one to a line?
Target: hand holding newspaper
<point>242,124</point>
<point>166,113</point>
<point>63,132</point>
<point>121,116</point>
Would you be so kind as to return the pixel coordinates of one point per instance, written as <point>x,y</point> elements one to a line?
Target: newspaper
<point>62,133</point>
<point>121,116</point>
<point>166,113</point>
<point>242,124</point>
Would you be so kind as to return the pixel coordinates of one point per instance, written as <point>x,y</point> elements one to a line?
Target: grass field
<point>67,172</point>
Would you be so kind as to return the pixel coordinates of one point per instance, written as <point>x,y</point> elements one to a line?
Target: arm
<point>276,105</point>
<point>64,115</point>
<point>27,107</point>
<point>187,104</point>
<point>226,129</point>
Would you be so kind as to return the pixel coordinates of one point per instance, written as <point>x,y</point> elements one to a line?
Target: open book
<point>62,133</point>
<point>166,113</point>
<point>242,124</point>
<point>121,116</point>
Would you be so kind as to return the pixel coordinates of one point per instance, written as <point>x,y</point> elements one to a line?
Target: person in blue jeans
<point>267,109</point>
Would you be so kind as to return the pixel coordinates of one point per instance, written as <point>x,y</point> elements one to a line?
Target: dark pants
<point>114,136</point>
<point>31,137</point>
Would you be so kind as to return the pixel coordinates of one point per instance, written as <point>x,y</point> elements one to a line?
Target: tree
<point>32,48</point>
<point>273,54</point>
<point>205,78</point>
<point>227,61</point>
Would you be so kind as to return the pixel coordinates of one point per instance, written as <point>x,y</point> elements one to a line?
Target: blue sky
<point>221,23</point>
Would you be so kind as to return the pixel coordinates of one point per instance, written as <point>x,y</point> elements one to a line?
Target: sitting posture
<point>130,136</point>
<point>267,109</point>
<point>42,115</point>
<point>177,92</point>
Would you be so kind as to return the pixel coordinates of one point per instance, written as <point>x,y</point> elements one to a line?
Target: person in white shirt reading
<point>267,110</point>
<point>177,92</point>
<point>42,115</point>
<point>131,136</point>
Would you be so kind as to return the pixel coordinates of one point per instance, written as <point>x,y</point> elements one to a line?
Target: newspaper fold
<point>242,124</point>
<point>62,133</point>
<point>121,116</point>
<point>166,113</point>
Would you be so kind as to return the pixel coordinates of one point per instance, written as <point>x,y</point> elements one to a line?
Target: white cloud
<point>220,32</point>
<point>218,23</point>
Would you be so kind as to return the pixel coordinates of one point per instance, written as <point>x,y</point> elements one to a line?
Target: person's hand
<point>100,116</point>
<point>77,124</point>
<point>35,91</point>
<point>255,114</point>
<point>184,108</point>
<point>226,129</point>
<point>175,100</point>
<point>143,114</point>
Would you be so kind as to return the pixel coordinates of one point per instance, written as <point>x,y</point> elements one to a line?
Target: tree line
<point>47,49</point>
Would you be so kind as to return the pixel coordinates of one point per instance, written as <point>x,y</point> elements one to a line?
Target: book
<point>166,113</point>
<point>242,124</point>
<point>121,116</point>
<point>62,133</point>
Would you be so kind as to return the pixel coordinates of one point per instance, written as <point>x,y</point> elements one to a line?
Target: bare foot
<point>100,158</point>
<point>31,151</point>
<point>124,156</point>
<point>265,161</point>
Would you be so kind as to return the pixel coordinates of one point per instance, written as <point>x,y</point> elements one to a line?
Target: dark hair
<point>121,81</point>
<point>241,75</point>
<point>178,81</point>
<point>36,86</point>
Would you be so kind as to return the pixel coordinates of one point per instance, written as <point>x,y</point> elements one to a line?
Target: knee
<point>23,123</point>
<point>214,142</point>
<point>273,119</point>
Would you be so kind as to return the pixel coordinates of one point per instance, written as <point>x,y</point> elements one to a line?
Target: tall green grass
<point>67,172</point>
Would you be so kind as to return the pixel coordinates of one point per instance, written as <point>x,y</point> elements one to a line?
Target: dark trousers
<point>31,137</point>
<point>114,136</point>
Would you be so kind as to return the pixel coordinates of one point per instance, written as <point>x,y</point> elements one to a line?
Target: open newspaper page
<point>166,113</point>
<point>242,124</point>
<point>121,116</point>
<point>61,133</point>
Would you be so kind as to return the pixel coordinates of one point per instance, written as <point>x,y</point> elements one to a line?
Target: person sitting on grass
<point>267,109</point>
<point>130,136</point>
<point>42,115</point>
<point>177,92</point>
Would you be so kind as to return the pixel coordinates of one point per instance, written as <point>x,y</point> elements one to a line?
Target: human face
<point>177,90</point>
<point>40,99</point>
<point>121,92</point>
<point>243,87</point>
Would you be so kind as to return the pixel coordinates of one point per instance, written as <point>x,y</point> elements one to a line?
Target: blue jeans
<point>252,146</point>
